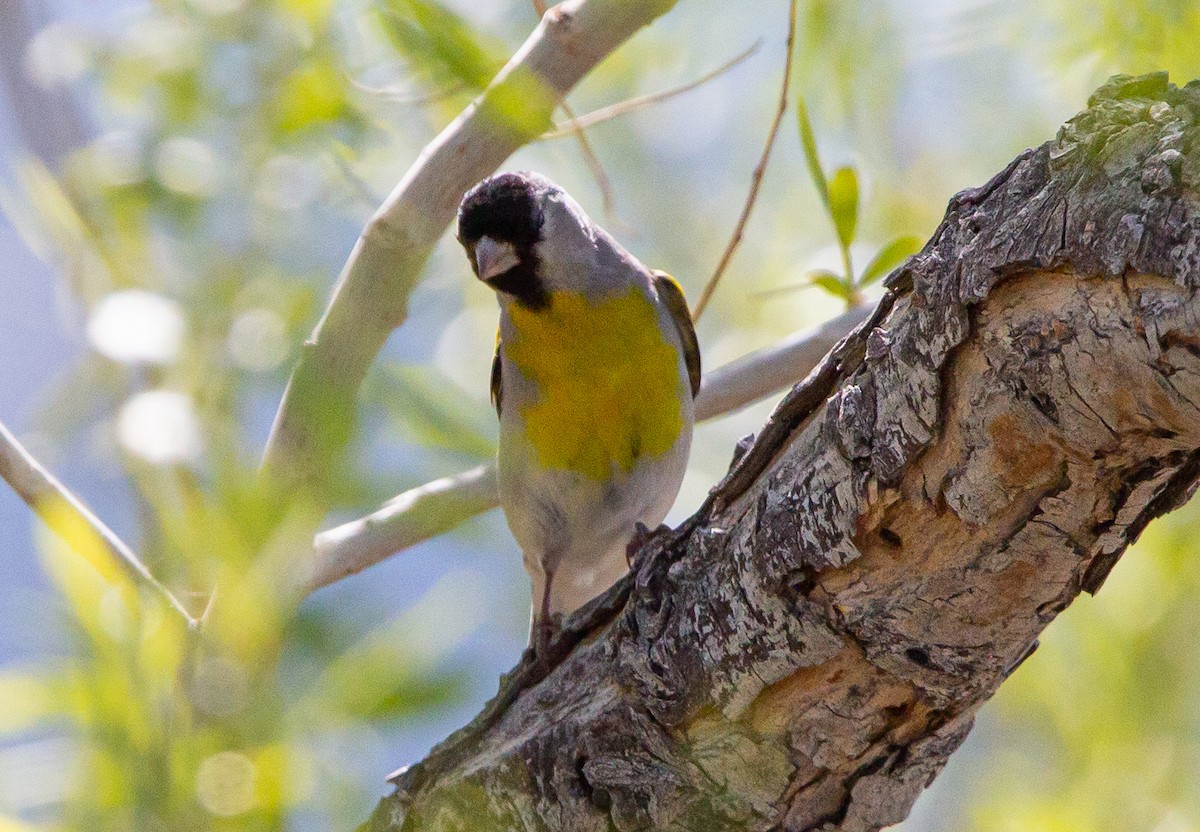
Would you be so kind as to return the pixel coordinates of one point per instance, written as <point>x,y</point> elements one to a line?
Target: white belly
<point>577,527</point>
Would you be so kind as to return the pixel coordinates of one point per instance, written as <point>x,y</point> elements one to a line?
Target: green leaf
<point>843,204</point>
<point>428,408</point>
<point>315,13</point>
<point>831,283</point>
<point>889,257</point>
<point>440,43</point>
<point>314,94</point>
<point>410,698</point>
<point>397,668</point>
<point>30,701</point>
<point>809,142</point>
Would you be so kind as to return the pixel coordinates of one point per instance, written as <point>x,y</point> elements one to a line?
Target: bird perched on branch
<point>595,370</point>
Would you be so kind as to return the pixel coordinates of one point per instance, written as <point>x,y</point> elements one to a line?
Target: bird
<point>593,380</point>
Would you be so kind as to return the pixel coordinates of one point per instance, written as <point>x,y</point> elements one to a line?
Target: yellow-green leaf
<point>843,204</point>
<point>314,94</point>
<point>428,408</point>
<point>440,43</point>
<point>809,142</point>
<point>889,257</point>
<point>313,12</point>
<point>831,283</point>
<point>29,701</point>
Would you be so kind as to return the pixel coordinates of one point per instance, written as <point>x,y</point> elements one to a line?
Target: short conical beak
<point>493,258</point>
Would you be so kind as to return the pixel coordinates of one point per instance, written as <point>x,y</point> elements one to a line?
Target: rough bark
<point>809,648</point>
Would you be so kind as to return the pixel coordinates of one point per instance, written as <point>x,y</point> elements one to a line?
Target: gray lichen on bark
<point>809,648</point>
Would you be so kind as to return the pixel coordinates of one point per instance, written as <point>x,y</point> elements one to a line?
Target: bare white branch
<point>755,376</point>
<point>405,520</point>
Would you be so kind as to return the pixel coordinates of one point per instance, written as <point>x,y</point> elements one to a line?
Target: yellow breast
<point>608,382</point>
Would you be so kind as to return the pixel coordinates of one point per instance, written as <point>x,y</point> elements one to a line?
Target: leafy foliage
<point>195,235</point>
<point>839,195</point>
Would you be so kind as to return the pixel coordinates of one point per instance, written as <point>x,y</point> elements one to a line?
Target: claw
<point>545,631</point>
<point>641,536</point>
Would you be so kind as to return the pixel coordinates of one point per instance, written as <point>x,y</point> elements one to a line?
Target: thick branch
<point>437,507</point>
<point>371,297</point>
<point>807,651</point>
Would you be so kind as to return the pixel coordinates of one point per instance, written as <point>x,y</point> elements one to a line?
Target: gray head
<point>526,237</point>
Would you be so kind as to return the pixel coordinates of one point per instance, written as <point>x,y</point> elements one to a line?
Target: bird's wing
<point>672,297</point>
<point>496,376</point>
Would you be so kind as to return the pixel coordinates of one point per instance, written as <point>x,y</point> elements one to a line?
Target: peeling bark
<point>809,648</point>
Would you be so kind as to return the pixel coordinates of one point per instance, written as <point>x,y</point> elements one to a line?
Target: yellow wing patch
<point>495,385</point>
<point>672,297</point>
<point>609,382</point>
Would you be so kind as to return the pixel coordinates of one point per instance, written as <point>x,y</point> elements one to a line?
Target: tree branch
<point>56,505</point>
<point>592,160</point>
<point>574,123</point>
<point>809,648</point>
<point>371,296</point>
<point>756,178</point>
<point>439,506</point>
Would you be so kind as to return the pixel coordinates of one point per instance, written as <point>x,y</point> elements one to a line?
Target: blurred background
<point>181,181</point>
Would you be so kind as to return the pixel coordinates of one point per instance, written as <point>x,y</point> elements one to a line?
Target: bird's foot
<point>545,630</point>
<point>641,536</point>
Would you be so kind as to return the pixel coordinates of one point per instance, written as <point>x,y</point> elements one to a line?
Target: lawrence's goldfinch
<point>596,366</point>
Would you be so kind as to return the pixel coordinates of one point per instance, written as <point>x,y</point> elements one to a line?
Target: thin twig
<point>396,96</point>
<point>785,289</point>
<point>539,6</point>
<point>357,184</point>
<point>757,177</point>
<point>594,165</point>
<point>47,497</point>
<point>567,128</point>
<point>439,506</point>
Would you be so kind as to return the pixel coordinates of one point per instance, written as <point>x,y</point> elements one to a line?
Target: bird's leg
<point>543,628</point>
